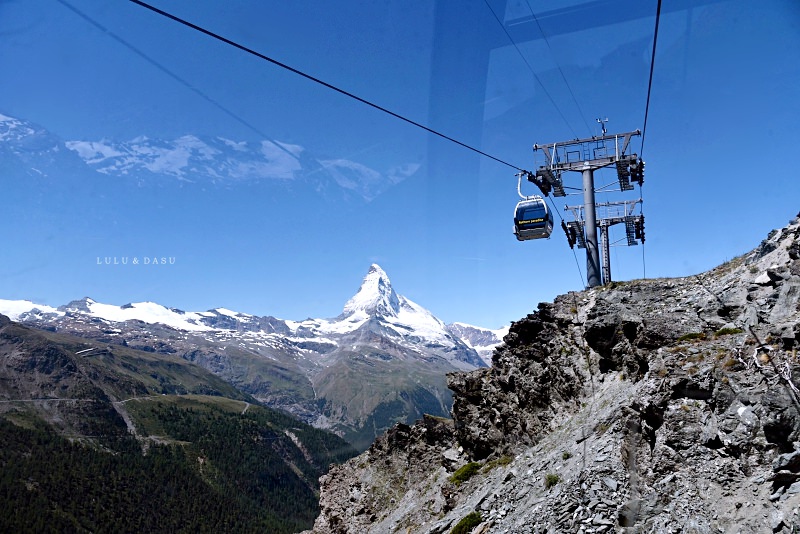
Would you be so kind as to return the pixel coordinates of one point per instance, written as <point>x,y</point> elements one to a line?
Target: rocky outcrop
<point>528,384</point>
<point>667,405</point>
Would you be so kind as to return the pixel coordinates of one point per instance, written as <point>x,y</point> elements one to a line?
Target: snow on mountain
<point>12,129</point>
<point>377,302</point>
<point>18,310</point>
<point>483,340</point>
<point>190,158</point>
<point>375,296</point>
<point>375,307</point>
<point>367,182</point>
<point>383,359</point>
<point>147,312</point>
<point>195,159</point>
<point>33,150</point>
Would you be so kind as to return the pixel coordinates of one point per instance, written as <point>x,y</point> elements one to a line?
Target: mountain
<point>658,405</point>
<point>99,437</point>
<point>384,359</point>
<point>31,150</point>
<point>483,340</point>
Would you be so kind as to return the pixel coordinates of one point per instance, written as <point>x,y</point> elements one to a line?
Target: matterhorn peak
<point>375,296</point>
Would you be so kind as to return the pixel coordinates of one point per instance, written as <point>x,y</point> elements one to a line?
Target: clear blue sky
<point>720,144</point>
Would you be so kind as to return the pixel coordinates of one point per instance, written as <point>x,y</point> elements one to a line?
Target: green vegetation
<point>222,471</point>
<point>551,480</point>
<point>205,458</point>
<point>692,336</point>
<point>467,523</point>
<point>503,460</point>
<point>728,332</point>
<point>566,455</point>
<point>51,485</point>
<point>465,472</point>
<point>380,406</point>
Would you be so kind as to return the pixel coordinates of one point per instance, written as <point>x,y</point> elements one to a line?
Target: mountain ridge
<point>315,368</point>
<point>659,405</point>
<point>194,160</point>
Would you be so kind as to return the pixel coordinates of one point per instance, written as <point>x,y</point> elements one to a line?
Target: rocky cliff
<point>662,405</point>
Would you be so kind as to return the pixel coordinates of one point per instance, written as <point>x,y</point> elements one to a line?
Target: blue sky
<point>721,134</point>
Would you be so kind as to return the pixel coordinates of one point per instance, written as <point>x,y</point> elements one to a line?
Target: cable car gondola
<point>532,219</point>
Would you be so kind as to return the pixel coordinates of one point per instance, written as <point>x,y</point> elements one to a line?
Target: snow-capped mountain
<point>376,307</point>
<point>192,159</point>
<point>375,296</point>
<point>223,161</point>
<point>382,360</point>
<point>483,340</point>
<point>27,149</point>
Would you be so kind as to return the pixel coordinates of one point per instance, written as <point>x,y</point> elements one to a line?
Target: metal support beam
<point>584,156</point>
<point>592,252</point>
<point>606,258</point>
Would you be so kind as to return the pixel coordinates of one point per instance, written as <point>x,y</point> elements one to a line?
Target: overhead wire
<point>552,101</point>
<point>318,81</point>
<point>561,219</point>
<point>560,70</point>
<point>650,81</point>
<point>646,113</point>
<point>530,68</point>
<point>577,263</point>
<point>177,78</point>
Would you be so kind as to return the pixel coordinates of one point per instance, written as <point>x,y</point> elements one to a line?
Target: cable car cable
<point>531,69</point>
<point>316,80</point>
<point>563,77</point>
<point>650,82</point>
<point>577,263</point>
<point>177,78</point>
<point>646,113</point>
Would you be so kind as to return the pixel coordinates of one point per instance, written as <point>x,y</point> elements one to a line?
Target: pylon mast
<point>586,156</point>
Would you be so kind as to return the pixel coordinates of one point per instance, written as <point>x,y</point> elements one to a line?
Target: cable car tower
<point>586,156</point>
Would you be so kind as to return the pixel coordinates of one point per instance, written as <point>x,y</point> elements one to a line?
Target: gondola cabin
<point>532,219</point>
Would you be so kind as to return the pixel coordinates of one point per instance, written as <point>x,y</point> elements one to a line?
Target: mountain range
<point>384,359</point>
<point>29,149</point>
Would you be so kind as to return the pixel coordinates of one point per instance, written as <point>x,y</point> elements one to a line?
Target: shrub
<point>728,331</point>
<point>503,460</point>
<point>692,336</point>
<point>467,523</point>
<point>566,455</point>
<point>465,472</point>
<point>551,480</point>
<point>730,363</point>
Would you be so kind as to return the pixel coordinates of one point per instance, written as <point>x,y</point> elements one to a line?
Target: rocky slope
<point>664,405</point>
